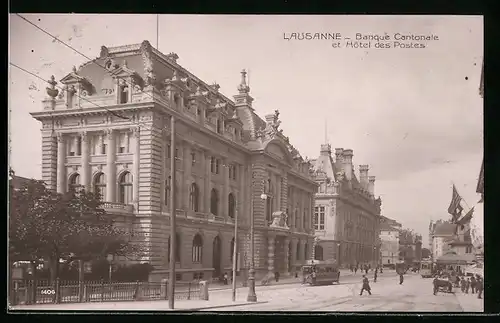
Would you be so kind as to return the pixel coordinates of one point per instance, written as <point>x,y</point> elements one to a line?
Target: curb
<point>224,306</point>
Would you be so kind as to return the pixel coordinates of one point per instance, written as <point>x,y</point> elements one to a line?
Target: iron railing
<point>61,291</point>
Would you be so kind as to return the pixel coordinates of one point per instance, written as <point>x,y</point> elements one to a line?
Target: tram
<point>319,272</point>
<point>426,268</point>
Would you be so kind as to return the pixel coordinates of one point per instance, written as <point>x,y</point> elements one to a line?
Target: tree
<point>47,225</point>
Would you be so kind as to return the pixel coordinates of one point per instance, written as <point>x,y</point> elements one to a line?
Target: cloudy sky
<point>413,114</point>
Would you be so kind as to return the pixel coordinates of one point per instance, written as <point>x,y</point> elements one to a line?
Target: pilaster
<point>110,166</point>
<point>186,187</point>
<point>135,176</point>
<point>208,179</point>
<point>287,254</point>
<point>49,160</point>
<point>85,162</point>
<point>225,191</point>
<point>150,171</point>
<point>284,194</point>
<point>61,159</point>
<point>270,254</point>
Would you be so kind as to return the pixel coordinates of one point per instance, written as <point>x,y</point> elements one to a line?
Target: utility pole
<point>173,242</point>
<point>252,297</point>
<point>235,251</point>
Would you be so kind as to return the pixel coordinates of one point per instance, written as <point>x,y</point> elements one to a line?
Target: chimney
<point>347,163</point>
<point>326,150</point>
<point>371,185</point>
<point>363,176</point>
<point>338,156</point>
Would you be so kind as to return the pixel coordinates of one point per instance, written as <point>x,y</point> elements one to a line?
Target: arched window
<point>197,248</point>
<point>318,252</point>
<point>297,219</point>
<point>166,192</point>
<point>124,94</point>
<point>306,246</point>
<point>177,248</point>
<point>231,205</point>
<point>125,188</point>
<point>193,197</point>
<point>74,183</point>
<point>100,185</point>
<point>214,201</point>
<point>231,251</point>
<point>298,251</point>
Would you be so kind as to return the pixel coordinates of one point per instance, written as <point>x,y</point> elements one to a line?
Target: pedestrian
<point>296,275</point>
<point>401,278</point>
<point>366,269</point>
<point>366,286</point>
<point>381,271</point>
<point>313,276</point>
<point>277,276</point>
<point>479,287</point>
<point>355,270</point>
<point>375,276</point>
<point>225,278</point>
<point>462,284</point>
<point>473,285</point>
<point>467,286</point>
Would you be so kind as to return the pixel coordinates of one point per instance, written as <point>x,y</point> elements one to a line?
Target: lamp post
<point>173,235</point>
<point>252,297</point>
<point>338,253</point>
<point>110,262</point>
<point>235,252</point>
<point>315,242</point>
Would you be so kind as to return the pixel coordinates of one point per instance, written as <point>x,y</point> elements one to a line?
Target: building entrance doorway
<point>216,256</point>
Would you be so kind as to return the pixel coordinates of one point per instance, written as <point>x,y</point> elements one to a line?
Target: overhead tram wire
<point>81,97</point>
<point>78,52</point>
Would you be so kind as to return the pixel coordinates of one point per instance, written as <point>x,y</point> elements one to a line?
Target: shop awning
<point>475,269</point>
<point>454,259</point>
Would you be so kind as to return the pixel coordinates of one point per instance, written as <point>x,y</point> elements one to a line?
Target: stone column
<point>135,176</point>
<point>85,162</point>
<point>203,189</point>
<point>208,179</point>
<point>286,249</point>
<point>270,254</point>
<point>61,160</point>
<point>185,191</point>
<point>110,166</point>
<point>127,142</point>
<point>240,203</point>
<point>225,199</point>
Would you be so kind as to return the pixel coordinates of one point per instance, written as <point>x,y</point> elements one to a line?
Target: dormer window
<point>123,93</point>
<point>176,99</point>
<point>218,125</point>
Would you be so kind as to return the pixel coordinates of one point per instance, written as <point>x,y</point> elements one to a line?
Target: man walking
<point>401,278</point>
<point>467,286</point>
<point>479,286</point>
<point>375,275</point>
<point>473,285</point>
<point>366,286</point>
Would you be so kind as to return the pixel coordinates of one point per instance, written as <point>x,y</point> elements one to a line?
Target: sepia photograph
<point>245,163</point>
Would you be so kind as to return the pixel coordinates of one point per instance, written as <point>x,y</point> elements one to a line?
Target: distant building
<point>443,233</point>
<point>347,213</point>
<point>389,239</point>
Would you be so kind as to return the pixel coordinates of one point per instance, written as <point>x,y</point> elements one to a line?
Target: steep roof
<point>325,164</point>
<point>387,227</point>
<point>17,181</point>
<point>444,229</point>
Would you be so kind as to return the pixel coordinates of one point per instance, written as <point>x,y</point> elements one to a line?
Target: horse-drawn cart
<point>442,284</point>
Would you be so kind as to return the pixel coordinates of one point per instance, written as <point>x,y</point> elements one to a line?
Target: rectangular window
<point>212,165</point>
<point>168,151</point>
<point>193,158</point>
<point>234,172</point>
<point>122,143</point>
<point>79,146</point>
<point>217,164</point>
<point>103,149</point>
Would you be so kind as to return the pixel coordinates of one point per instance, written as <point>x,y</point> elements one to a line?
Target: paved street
<point>387,295</point>
<point>415,295</point>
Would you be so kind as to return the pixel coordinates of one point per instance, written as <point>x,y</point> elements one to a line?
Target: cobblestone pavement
<point>414,295</point>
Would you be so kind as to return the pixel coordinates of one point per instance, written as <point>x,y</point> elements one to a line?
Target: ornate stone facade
<point>109,130</point>
<point>347,213</point>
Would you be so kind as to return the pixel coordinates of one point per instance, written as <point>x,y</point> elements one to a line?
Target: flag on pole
<point>455,209</point>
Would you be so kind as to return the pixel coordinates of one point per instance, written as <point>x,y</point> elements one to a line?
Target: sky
<point>413,114</point>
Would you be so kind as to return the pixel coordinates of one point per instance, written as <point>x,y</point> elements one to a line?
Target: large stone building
<point>347,213</point>
<point>389,243</point>
<point>109,130</point>
<point>442,233</point>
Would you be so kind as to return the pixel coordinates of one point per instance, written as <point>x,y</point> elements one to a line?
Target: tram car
<point>318,272</point>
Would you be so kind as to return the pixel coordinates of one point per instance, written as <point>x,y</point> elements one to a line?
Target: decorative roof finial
<point>124,63</point>
<point>52,91</point>
<point>243,87</point>
<point>74,69</point>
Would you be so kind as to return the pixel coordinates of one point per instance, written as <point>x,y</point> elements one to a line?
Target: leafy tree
<point>47,225</point>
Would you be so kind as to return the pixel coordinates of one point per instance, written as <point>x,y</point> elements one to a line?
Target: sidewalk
<point>470,302</point>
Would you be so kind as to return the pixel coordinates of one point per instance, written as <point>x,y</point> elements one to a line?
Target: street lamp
<point>110,262</point>
<point>315,242</point>
<point>338,253</point>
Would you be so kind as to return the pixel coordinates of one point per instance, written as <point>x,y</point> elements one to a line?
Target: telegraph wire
<point>77,51</point>
<point>81,97</point>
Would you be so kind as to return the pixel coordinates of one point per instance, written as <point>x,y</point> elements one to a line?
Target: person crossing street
<point>375,275</point>
<point>401,278</point>
<point>366,286</point>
